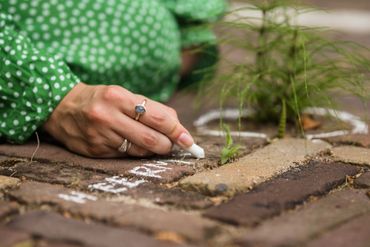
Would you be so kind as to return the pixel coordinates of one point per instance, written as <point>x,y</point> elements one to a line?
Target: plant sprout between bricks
<point>293,67</point>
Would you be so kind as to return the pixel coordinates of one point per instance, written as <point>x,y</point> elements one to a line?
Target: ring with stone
<point>140,109</point>
<point>125,146</point>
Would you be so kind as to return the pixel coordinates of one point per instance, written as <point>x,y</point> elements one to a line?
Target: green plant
<point>293,67</point>
<point>230,150</point>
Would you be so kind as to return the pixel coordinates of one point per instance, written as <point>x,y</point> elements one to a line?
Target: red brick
<point>48,243</point>
<point>152,220</point>
<point>6,182</point>
<point>57,228</point>
<point>363,181</point>
<point>161,170</point>
<point>282,193</point>
<point>255,168</point>
<point>176,197</point>
<point>11,238</point>
<point>354,233</point>
<point>2,158</point>
<point>7,208</point>
<point>353,139</point>
<point>52,153</point>
<point>59,173</point>
<point>52,173</point>
<point>296,228</point>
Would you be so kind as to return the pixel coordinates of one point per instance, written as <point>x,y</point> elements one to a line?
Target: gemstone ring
<point>140,110</point>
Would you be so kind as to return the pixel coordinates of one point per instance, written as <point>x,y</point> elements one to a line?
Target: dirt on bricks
<point>10,237</point>
<point>51,202</point>
<point>351,154</point>
<point>58,228</point>
<point>354,233</point>
<point>7,181</point>
<point>256,167</point>
<point>298,227</point>
<point>360,140</point>
<point>283,193</point>
<point>363,181</point>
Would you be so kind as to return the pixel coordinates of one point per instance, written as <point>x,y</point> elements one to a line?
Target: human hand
<point>95,120</point>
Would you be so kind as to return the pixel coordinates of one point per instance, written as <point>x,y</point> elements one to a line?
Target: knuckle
<point>112,93</point>
<point>90,133</point>
<point>96,142</point>
<point>94,113</point>
<point>159,119</point>
<point>150,139</point>
<point>174,130</point>
<point>172,111</point>
<point>95,151</point>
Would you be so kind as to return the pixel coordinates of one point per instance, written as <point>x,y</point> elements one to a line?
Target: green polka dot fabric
<point>48,46</point>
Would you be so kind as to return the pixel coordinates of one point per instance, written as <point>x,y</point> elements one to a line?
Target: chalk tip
<point>196,151</point>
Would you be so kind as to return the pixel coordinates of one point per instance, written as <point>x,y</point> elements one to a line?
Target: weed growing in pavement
<point>287,67</point>
<point>230,151</point>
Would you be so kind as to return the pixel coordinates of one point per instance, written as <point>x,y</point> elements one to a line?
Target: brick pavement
<point>10,237</point>
<point>294,181</point>
<point>350,154</point>
<point>255,168</point>
<point>299,227</point>
<point>87,205</point>
<point>288,193</point>
<point>363,181</point>
<point>354,233</point>
<point>282,193</point>
<point>353,139</point>
<point>58,228</point>
<point>6,182</point>
<point>8,208</point>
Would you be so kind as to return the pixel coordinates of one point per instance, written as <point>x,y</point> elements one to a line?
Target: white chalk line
<point>118,184</point>
<point>351,21</point>
<point>358,126</point>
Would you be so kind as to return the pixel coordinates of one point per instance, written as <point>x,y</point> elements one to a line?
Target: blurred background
<point>342,20</point>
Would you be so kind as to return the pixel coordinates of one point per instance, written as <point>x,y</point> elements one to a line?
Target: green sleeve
<point>32,83</point>
<point>195,19</point>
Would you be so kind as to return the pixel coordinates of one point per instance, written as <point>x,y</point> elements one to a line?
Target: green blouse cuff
<point>197,35</point>
<point>32,83</point>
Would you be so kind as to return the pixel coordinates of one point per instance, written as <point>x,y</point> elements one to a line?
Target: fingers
<point>114,141</point>
<point>141,135</point>
<point>163,120</point>
<point>157,116</point>
<point>107,149</point>
<point>160,118</point>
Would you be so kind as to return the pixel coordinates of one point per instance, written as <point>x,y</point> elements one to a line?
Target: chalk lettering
<point>77,197</point>
<point>125,181</point>
<point>147,170</point>
<point>116,184</point>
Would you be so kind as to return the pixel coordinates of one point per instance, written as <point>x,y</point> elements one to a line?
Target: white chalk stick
<point>196,151</point>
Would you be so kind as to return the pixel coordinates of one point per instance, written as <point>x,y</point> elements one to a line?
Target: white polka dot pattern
<point>25,84</point>
<point>47,45</point>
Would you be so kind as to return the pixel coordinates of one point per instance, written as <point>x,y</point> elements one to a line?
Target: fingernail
<point>185,140</point>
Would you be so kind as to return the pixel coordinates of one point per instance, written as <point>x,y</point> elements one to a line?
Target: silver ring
<point>125,146</point>
<point>140,110</point>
